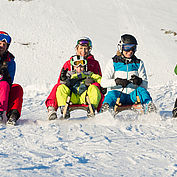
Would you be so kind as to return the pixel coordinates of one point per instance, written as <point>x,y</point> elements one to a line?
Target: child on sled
<point>77,84</point>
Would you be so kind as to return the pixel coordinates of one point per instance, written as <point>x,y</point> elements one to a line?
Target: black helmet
<point>128,39</point>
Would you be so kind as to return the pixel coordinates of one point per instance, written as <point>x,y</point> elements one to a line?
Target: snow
<point>44,33</point>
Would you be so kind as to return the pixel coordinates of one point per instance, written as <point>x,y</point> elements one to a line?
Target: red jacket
<point>92,65</point>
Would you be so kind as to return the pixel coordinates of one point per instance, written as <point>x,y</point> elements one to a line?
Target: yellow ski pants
<point>63,92</point>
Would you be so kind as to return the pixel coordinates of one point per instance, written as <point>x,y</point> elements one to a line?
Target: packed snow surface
<point>44,34</point>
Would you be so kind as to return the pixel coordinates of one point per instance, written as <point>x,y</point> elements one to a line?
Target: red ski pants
<point>15,98</point>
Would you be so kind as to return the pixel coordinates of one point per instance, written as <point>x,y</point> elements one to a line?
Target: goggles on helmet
<point>5,37</point>
<point>129,47</point>
<point>84,42</point>
<point>78,60</point>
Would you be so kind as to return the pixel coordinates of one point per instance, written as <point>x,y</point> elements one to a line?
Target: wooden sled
<point>71,107</point>
<point>137,107</point>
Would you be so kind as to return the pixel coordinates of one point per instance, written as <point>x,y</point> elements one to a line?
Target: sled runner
<point>71,107</point>
<point>137,107</point>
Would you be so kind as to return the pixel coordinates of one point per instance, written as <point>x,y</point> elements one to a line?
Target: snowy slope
<point>44,33</point>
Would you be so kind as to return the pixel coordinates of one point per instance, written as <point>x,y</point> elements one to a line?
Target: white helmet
<point>85,41</point>
<point>77,60</point>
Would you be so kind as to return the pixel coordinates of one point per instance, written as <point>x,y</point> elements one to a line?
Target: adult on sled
<point>5,83</point>
<point>11,95</point>
<point>175,106</point>
<point>125,76</point>
<point>77,84</point>
<point>83,48</point>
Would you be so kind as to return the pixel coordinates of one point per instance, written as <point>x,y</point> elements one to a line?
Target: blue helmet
<point>5,37</point>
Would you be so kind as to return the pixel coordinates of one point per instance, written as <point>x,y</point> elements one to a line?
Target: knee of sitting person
<point>141,89</point>
<point>92,87</point>
<point>62,88</point>
<point>17,88</point>
<point>112,93</point>
<point>94,90</point>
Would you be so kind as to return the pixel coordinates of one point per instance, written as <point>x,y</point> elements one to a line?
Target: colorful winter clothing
<point>92,65</point>
<point>79,90</point>
<point>175,70</point>
<point>16,91</point>
<point>4,95</point>
<point>5,82</point>
<point>127,99</point>
<point>15,99</point>
<point>8,60</point>
<point>174,111</point>
<point>124,68</point>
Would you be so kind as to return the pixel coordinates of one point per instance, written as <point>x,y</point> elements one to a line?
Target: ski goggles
<point>84,42</point>
<point>129,47</point>
<point>78,60</point>
<point>5,37</point>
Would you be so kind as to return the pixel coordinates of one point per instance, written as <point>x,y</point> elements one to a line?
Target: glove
<point>136,80</point>
<point>63,76</point>
<point>88,81</point>
<point>71,82</point>
<point>122,82</point>
<point>4,71</point>
<point>4,75</point>
<point>103,90</point>
<point>1,77</point>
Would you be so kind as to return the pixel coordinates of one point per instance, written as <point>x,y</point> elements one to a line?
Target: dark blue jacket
<point>8,58</point>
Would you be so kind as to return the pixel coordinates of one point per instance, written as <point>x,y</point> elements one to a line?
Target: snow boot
<point>67,116</point>
<point>89,114</point>
<point>174,112</point>
<point>150,107</point>
<point>1,116</point>
<point>105,107</point>
<point>13,116</point>
<point>52,114</point>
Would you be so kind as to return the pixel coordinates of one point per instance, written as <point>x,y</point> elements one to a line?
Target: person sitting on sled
<point>12,95</point>
<point>174,112</point>
<point>83,48</point>
<point>125,76</point>
<point>77,83</point>
<point>5,83</point>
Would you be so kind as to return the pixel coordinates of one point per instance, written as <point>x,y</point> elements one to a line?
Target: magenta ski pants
<point>4,95</point>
